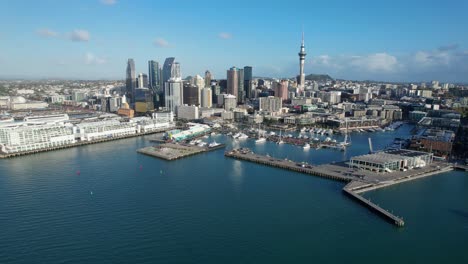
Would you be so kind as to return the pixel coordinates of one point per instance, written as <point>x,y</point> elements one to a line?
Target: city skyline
<point>396,41</point>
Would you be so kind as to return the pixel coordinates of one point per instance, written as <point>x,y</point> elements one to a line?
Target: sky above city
<point>358,40</point>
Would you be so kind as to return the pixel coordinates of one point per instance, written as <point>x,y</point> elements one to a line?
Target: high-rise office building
<point>173,93</point>
<point>143,100</point>
<point>270,104</point>
<point>130,84</point>
<point>167,69</point>
<point>206,98</point>
<point>142,80</point>
<point>281,89</point>
<point>240,85</point>
<point>215,91</point>
<point>302,54</point>
<point>175,72</point>
<point>208,78</point>
<point>190,94</point>
<point>233,81</point>
<point>248,77</point>
<point>230,102</point>
<point>154,76</point>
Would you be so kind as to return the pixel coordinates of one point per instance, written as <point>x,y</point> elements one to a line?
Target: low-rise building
<point>189,112</point>
<point>392,160</point>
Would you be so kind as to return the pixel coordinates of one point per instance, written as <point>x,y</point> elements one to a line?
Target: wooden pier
<point>374,207</point>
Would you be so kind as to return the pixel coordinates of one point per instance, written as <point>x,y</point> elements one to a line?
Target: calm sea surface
<point>105,203</point>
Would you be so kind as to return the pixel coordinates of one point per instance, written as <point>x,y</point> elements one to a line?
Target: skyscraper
<point>248,81</point>
<point>240,85</point>
<point>190,94</point>
<point>233,81</point>
<point>173,93</point>
<point>206,98</point>
<point>142,80</point>
<point>281,89</point>
<point>154,76</point>
<point>175,72</point>
<point>302,54</point>
<point>130,80</point>
<point>167,69</point>
<point>208,78</point>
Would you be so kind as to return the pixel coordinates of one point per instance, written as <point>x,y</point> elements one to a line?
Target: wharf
<point>82,143</point>
<point>359,181</point>
<point>173,151</point>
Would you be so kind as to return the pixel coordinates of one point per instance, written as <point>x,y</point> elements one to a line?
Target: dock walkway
<point>359,181</point>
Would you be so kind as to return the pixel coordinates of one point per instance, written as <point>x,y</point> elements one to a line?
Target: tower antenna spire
<point>302,35</point>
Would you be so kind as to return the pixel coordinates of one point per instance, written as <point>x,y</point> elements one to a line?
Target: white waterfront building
<point>43,132</point>
<point>22,137</point>
<point>104,129</point>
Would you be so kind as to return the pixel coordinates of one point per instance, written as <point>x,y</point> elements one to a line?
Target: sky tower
<point>302,55</point>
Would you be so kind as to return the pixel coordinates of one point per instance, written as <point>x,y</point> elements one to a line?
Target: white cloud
<point>160,42</point>
<point>446,63</point>
<point>91,59</point>
<point>108,2</point>
<point>378,62</point>
<point>78,35</point>
<point>225,35</point>
<point>47,33</point>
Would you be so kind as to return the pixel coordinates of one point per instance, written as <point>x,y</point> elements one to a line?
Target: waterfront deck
<point>173,151</point>
<point>359,181</point>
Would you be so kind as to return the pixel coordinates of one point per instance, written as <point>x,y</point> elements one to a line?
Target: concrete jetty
<point>173,151</point>
<point>358,181</point>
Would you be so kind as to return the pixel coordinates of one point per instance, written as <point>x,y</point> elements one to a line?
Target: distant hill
<point>318,77</point>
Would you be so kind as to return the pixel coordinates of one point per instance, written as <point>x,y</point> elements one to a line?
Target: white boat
<point>213,144</point>
<point>260,139</point>
<point>202,144</point>
<point>306,146</point>
<point>243,136</point>
<point>328,139</point>
<point>236,135</point>
<point>213,133</point>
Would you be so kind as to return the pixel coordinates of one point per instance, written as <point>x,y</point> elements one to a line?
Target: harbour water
<point>105,203</point>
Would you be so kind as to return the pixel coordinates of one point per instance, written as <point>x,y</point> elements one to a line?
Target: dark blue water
<point>124,207</point>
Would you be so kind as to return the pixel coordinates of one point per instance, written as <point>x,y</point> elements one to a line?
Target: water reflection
<point>236,175</point>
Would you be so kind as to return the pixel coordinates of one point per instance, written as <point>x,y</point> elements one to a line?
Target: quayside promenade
<point>358,180</point>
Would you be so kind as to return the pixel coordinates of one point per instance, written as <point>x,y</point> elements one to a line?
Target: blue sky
<point>379,40</point>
